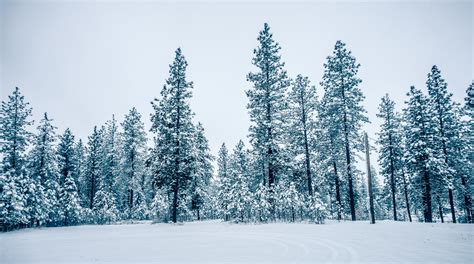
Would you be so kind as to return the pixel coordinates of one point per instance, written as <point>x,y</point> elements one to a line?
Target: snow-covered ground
<point>218,242</point>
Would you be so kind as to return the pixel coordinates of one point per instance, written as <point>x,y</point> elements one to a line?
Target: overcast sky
<point>83,61</point>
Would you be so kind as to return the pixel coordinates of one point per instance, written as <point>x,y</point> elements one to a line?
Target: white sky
<point>82,61</point>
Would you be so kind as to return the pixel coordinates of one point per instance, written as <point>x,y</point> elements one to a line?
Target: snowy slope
<point>217,242</point>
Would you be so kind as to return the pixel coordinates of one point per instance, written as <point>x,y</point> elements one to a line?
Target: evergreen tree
<point>66,157</point>
<point>267,106</point>
<point>202,171</point>
<point>133,163</point>
<point>42,157</point>
<point>391,148</point>
<point>43,168</point>
<point>344,106</point>
<point>172,122</point>
<point>69,202</point>
<point>14,138</point>
<point>303,106</point>
<point>79,170</point>
<point>223,177</point>
<point>443,110</point>
<point>93,167</point>
<point>467,151</point>
<point>421,153</point>
<point>111,163</point>
<point>239,191</point>
<point>331,152</point>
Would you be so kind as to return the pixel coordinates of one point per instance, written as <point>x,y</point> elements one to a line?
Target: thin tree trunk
<point>451,204</point>
<point>428,215</point>
<point>440,208</point>
<point>338,192</point>
<point>369,179</point>
<point>467,200</point>
<point>392,180</point>
<point>406,196</point>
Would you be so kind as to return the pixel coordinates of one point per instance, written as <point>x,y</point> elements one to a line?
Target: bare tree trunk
<point>407,201</point>
<point>369,179</point>
<point>440,208</point>
<point>338,192</point>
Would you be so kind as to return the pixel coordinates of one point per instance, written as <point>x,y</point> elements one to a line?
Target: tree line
<point>300,165</point>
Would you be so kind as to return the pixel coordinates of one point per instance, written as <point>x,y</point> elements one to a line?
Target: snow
<point>219,242</point>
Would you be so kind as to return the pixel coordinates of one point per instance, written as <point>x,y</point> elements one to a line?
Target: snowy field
<point>218,242</point>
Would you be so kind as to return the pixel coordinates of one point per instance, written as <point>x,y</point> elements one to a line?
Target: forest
<point>300,165</point>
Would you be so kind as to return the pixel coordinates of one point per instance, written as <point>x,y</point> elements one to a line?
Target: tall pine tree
<point>391,148</point>
<point>344,107</point>
<point>302,132</point>
<point>15,116</point>
<point>267,105</point>
<point>172,122</point>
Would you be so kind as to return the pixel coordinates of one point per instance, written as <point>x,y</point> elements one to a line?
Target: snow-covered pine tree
<point>239,192</point>
<point>93,165</point>
<point>443,110</point>
<point>80,161</point>
<point>289,201</point>
<point>267,105</point>
<point>66,157</point>
<point>69,202</point>
<point>133,161</point>
<point>303,103</point>
<point>202,171</point>
<point>391,148</point>
<point>43,168</point>
<point>15,116</point>
<point>111,159</point>
<point>421,152</point>
<point>224,182</point>
<point>466,178</point>
<point>344,106</point>
<point>331,148</point>
<point>172,123</point>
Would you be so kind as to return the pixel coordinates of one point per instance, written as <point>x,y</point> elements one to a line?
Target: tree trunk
<point>440,208</point>
<point>467,200</point>
<point>369,180</point>
<point>451,204</point>
<point>428,215</point>
<point>392,180</point>
<point>338,192</point>
<point>406,197</point>
<point>175,202</point>
<point>306,150</point>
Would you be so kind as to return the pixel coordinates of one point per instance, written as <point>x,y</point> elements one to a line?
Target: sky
<point>83,61</point>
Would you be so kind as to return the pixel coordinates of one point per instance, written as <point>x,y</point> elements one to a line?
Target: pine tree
<point>172,123</point>
<point>43,167</point>
<point>69,202</point>
<point>202,171</point>
<point>391,148</point>
<point>79,171</point>
<point>224,183</point>
<point>133,163</point>
<point>331,147</point>
<point>93,166</point>
<point>42,157</point>
<point>421,154</point>
<point>303,106</point>
<point>267,106</point>
<point>111,162</point>
<point>66,157</point>
<point>14,138</point>
<point>467,150</point>
<point>344,106</point>
<point>238,183</point>
<point>443,110</point>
